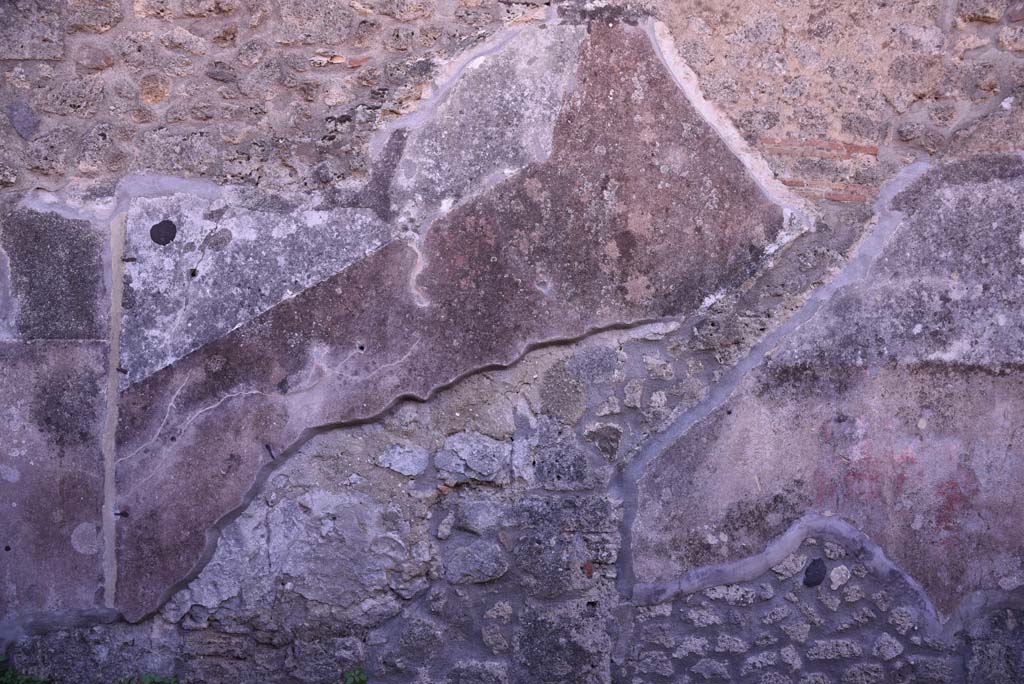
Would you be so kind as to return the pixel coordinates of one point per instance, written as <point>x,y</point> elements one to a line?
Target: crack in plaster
<point>163,422</point>
<point>164,462</point>
<point>798,220</point>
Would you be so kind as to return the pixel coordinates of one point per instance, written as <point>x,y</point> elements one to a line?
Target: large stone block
<point>55,284</point>
<point>51,476</point>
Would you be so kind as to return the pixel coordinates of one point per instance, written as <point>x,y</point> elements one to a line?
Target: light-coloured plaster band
<point>799,213</point>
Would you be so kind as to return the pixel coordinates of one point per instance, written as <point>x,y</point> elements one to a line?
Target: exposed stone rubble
<point>497,342</point>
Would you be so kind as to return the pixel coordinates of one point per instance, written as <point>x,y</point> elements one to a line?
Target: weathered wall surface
<point>497,342</point>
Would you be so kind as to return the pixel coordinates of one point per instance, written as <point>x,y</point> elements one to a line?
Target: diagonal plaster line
<point>213,533</point>
<point>799,214</point>
<point>751,567</point>
<point>108,443</point>
<point>499,43</point>
<point>857,269</point>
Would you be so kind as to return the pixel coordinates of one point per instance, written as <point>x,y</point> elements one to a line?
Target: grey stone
<point>691,645</point>
<point>94,16</point>
<point>701,617</point>
<point>471,455</point>
<point>56,270</point>
<point>887,647</point>
<point>32,29</point>
<point>758,662</point>
<point>606,437</point>
<point>816,678</point>
<point>903,619</point>
<point>774,678</point>
<point>732,594</point>
<point>711,669</point>
<point>864,673</point>
<point>833,649</point>
<point>561,463</point>
<point>23,119</point>
<point>405,460</point>
<point>655,662</point>
<point>475,563</point>
<point>481,516</point>
<point>730,644</point>
<point>477,673</point>
<point>565,644</point>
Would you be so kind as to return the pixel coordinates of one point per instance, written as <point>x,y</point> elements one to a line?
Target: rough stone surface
<point>32,29</point>
<point>52,284</point>
<point>488,342</point>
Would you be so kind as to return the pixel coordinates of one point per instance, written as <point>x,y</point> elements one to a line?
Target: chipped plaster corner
<point>799,214</point>
<point>749,568</point>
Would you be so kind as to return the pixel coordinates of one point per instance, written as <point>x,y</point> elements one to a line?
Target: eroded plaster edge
<point>750,568</point>
<point>214,532</point>
<point>448,76</point>
<point>936,625</point>
<point>799,214</point>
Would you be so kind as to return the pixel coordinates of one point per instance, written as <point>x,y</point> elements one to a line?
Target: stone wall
<point>498,342</point>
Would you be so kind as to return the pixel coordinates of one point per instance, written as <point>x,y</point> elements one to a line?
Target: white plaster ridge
<point>107,208</point>
<point>799,214</point>
<point>109,439</point>
<point>750,568</point>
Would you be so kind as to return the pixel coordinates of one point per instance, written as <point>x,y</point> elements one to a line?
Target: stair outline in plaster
<point>798,216</point>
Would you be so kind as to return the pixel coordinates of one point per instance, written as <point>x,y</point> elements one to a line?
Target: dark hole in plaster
<point>815,573</point>
<point>192,272</point>
<point>7,548</point>
<point>163,233</point>
<point>361,347</point>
